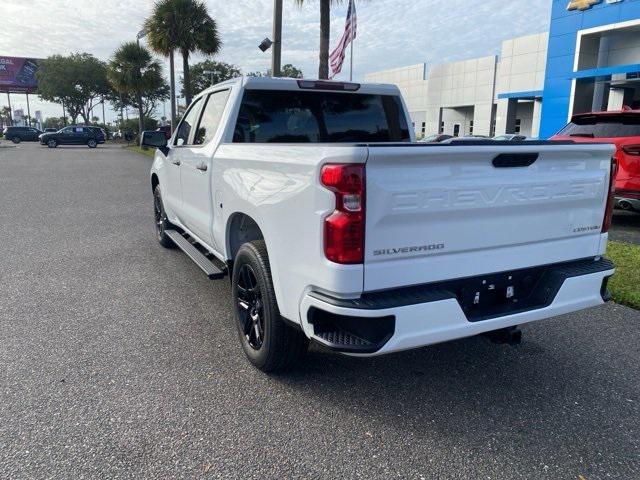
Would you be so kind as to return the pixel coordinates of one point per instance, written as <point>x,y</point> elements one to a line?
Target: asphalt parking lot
<point>625,227</point>
<point>118,359</point>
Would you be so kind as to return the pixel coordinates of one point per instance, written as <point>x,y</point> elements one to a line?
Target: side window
<point>211,116</point>
<point>187,124</point>
<point>68,130</point>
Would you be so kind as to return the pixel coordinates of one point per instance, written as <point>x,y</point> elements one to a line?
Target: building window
<point>424,127</point>
<point>471,127</point>
<point>492,133</point>
<point>441,127</point>
<point>518,125</point>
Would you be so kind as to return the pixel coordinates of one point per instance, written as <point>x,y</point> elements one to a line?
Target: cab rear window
<point>603,126</point>
<point>278,116</point>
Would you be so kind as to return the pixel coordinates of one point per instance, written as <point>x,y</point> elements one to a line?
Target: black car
<point>22,134</point>
<point>75,135</point>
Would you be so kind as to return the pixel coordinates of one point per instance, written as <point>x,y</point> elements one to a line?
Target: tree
<point>199,33</point>
<point>218,72</point>
<point>131,124</point>
<point>95,120</point>
<point>325,34</point>
<point>53,122</point>
<point>79,81</point>
<point>133,71</point>
<point>5,116</point>
<point>163,31</point>
<point>289,71</point>
<point>150,100</point>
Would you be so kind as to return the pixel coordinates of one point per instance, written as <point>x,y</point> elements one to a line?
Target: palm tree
<point>198,33</point>
<point>163,32</point>
<point>134,71</point>
<point>325,34</point>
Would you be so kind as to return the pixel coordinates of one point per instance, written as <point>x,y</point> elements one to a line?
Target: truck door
<point>197,171</point>
<point>172,189</point>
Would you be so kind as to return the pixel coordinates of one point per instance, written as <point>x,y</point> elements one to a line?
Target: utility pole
<point>10,112</point>
<point>28,111</point>
<point>276,54</point>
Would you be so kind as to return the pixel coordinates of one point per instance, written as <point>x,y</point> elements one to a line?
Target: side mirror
<point>154,139</point>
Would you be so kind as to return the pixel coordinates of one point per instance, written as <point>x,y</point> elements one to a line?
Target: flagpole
<point>352,40</point>
<point>351,71</point>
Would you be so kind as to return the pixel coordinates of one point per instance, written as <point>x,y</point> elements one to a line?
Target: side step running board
<point>207,266</point>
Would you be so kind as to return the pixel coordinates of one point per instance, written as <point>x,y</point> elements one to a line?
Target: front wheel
<point>92,143</point>
<point>161,222</point>
<point>16,140</point>
<point>268,342</point>
<point>52,143</point>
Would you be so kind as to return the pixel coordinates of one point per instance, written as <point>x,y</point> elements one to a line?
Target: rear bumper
<point>439,319</point>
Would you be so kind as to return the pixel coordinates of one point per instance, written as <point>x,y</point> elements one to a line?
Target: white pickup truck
<point>336,227</point>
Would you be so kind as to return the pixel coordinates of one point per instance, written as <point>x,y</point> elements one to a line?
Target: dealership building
<point>589,60</point>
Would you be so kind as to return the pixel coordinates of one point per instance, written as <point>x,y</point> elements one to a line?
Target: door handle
<point>176,162</point>
<point>202,167</point>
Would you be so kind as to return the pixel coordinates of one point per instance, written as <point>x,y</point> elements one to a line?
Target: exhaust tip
<point>625,205</point>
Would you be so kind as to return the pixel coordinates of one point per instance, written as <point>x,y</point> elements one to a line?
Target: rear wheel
<point>161,222</point>
<point>268,342</point>
<point>92,143</point>
<point>16,139</point>
<point>52,143</point>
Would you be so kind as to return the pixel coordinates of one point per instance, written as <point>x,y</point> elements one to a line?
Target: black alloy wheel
<point>269,343</point>
<point>250,307</point>
<point>161,221</point>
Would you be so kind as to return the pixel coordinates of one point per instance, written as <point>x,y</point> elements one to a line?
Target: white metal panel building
<point>465,98</point>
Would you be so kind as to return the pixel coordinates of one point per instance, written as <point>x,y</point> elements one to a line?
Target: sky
<point>391,33</point>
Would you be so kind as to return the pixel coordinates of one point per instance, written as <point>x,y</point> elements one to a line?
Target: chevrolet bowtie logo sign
<point>586,4</point>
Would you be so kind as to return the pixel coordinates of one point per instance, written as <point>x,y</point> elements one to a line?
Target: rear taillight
<point>344,228</point>
<point>608,213</point>
<point>632,150</point>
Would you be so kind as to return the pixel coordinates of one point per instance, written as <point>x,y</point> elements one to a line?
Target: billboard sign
<point>18,74</point>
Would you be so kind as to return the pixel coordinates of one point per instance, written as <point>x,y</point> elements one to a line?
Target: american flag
<point>336,59</point>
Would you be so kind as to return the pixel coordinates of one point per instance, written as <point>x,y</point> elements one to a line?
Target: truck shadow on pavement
<point>549,395</point>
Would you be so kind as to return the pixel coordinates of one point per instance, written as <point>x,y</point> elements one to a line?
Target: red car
<point>623,129</point>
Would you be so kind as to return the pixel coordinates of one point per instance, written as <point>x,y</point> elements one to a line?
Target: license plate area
<point>493,295</point>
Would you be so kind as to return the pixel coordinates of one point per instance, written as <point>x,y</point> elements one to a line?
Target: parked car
<point>621,128</point>
<point>22,134</point>
<point>510,137</point>
<point>436,138</point>
<point>466,138</point>
<point>337,228</point>
<point>74,135</point>
<point>50,130</point>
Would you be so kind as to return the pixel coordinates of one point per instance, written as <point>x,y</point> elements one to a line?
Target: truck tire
<point>268,342</point>
<point>161,221</point>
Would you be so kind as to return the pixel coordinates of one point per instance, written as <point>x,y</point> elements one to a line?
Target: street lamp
<point>276,53</point>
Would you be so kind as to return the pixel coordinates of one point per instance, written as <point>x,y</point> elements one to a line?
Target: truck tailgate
<point>443,212</point>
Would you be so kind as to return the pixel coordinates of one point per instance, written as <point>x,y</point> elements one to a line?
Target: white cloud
<point>391,33</point>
